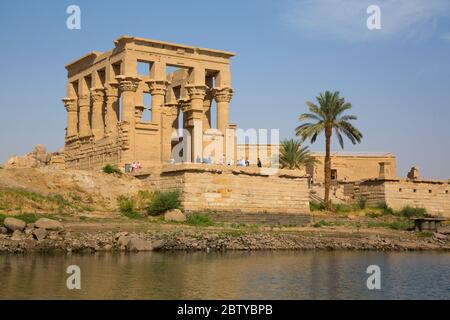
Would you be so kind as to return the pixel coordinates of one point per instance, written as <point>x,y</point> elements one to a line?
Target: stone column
<point>207,111</point>
<point>84,128</point>
<point>158,89</point>
<point>72,117</point>
<point>223,98</point>
<point>98,125</point>
<point>169,123</point>
<point>112,108</point>
<point>195,119</point>
<point>128,86</point>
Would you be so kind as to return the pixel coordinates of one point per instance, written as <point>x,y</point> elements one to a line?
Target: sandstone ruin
<point>354,166</point>
<point>105,104</point>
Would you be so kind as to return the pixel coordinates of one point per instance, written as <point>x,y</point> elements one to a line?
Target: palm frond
<point>293,155</point>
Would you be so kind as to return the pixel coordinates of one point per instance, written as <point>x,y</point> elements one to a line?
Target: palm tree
<point>293,155</point>
<point>328,115</point>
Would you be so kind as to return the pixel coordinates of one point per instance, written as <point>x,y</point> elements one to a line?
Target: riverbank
<point>90,237</point>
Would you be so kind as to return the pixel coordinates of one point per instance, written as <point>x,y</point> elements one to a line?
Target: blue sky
<point>397,78</point>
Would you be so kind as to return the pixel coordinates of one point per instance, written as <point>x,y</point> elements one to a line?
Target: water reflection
<point>233,275</point>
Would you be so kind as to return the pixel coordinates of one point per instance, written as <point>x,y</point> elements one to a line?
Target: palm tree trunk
<point>327,169</point>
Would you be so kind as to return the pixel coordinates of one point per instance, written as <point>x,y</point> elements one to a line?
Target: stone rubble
<point>187,240</point>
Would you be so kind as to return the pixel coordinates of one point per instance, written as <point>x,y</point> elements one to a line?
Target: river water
<point>231,275</point>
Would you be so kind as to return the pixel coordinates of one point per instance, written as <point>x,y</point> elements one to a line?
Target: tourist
<point>241,162</point>
<point>259,163</point>
<point>247,163</point>
<point>231,162</point>
<point>138,165</point>
<point>222,160</point>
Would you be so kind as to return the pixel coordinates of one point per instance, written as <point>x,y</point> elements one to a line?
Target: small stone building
<point>348,167</point>
<point>433,195</point>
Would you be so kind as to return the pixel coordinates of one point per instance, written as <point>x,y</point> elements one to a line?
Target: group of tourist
<point>243,162</point>
<point>136,165</point>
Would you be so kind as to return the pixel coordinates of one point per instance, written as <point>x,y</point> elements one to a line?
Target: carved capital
<point>112,89</point>
<point>84,100</point>
<point>97,95</point>
<point>138,111</point>
<point>184,104</point>
<point>128,83</point>
<point>70,104</point>
<point>196,91</point>
<point>158,87</point>
<point>223,94</point>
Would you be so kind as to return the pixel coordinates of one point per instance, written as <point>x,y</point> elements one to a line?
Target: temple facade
<point>106,102</point>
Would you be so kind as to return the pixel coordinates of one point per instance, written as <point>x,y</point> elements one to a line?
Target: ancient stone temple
<point>186,141</point>
<point>105,104</point>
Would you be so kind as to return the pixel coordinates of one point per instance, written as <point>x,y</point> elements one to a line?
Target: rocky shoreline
<point>48,235</point>
<point>63,241</point>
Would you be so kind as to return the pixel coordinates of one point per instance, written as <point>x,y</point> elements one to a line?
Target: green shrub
<point>316,206</point>
<point>163,201</point>
<point>362,203</point>
<point>27,217</point>
<point>126,205</point>
<point>342,208</point>
<point>410,212</point>
<point>132,215</point>
<point>111,169</point>
<point>2,217</point>
<point>383,206</point>
<point>199,220</point>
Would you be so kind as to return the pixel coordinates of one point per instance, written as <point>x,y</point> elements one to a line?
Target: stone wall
<point>209,188</point>
<point>89,156</point>
<point>434,196</point>
<point>352,167</point>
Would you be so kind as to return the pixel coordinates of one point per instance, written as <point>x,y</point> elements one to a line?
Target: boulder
<point>174,215</point>
<point>106,247</point>
<point>3,230</point>
<point>49,224</point>
<point>440,236</point>
<point>14,224</point>
<point>158,244</point>
<point>39,234</point>
<point>134,243</point>
<point>122,241</point>
<point>137,244</point>
<point>17,235</point>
